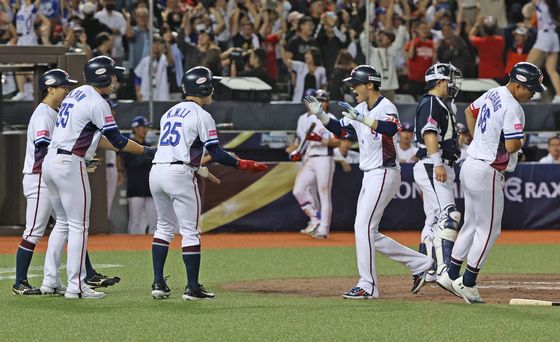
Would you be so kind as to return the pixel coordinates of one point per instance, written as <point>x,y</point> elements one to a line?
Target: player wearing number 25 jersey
<point>83,117</point>
<point>496,121</point>
<point>186,131</point>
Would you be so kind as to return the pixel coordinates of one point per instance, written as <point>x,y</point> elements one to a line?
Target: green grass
<point>129,313</point>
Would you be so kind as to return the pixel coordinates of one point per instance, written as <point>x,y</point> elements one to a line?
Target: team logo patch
<point>521,78</point>
<point>100,71</point>
<point>212,133</point>
<point>201,80</point>
<point>518,126</point>
<point>43,133</point>
<point>432,121</point>
<point>50,82</point>
<point>109,119</point>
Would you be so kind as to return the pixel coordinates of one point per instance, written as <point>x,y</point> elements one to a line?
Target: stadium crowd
<point>319,41</point>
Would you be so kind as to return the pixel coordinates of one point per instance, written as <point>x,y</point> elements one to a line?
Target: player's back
<point>499,117</point>
<point>81,118</point>
<point>39,130</point>
<point>186,129</point>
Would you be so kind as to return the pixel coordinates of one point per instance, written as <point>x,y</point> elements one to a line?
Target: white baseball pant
<point>111,176</point>
<point>435,195</point>
<point>39,208</point>
<point>139,208</point>
<point>484,205</point>
<point>316,175</point>
<point>379,186</point>
<point>67,180</point>
<point>175,192</point>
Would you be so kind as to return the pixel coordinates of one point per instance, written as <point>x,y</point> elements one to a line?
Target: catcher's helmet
<point>98,71</point>
<point>322,95</point>
<point>444,71</point>
<point>54,78</point>
<point>197,81</point>
<point>528,75</point>
<point>363,74</point>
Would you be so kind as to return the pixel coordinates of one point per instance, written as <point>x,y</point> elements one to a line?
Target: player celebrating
<point>318,169</point>
<point>496,121</point>
<point>83,117</point>
<point>54,86</point>
<point>187,130</point>
<point>434,173</point>
<point>375,123</point>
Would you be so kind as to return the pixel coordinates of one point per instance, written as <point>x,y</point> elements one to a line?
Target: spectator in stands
<point>345,151</point>
<point>92,26</point>
<point>293,23</point>
<point>172,14</point>
<point>316,12</point>
<point>495,9</point>
<point>342,68</point>
<point>138,36</point>
<point>490,47</point>
<point>103,45</point>
<point>405,150</point>
<point>75,40</point>
<point>331,39</point>
<point>519,50</point>
<point>421,55</point>
<point>221,26</point>
<point>117,23</point>
<point>70,9</point>
<point>302,41</point>
<point>309,74</point>
<point>8,34</point>
<point>144,84</point>
<point>247,39</point>
<point>547,45</point>
<point>256,67</point>
<point>453,49</point>
<point>176,70</point>
<point>140,201</point>
<point>553,148</point>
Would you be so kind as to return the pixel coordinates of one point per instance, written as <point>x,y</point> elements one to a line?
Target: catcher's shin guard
<point>445,237</point>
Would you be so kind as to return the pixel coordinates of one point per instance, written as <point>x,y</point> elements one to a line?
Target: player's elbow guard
<point>116,138</point>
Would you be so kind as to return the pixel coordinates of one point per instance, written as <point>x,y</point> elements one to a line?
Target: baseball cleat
<point>418,280</point>
<point>431,277</point>
<point>86,294</point>
<point>446,283</point>
<point>357,293</point>
<point>320,236</point>
<point>469,294</point>
<point>160,290</point>
<point>311,228</point>
<point>100,280</point>
<point>54,291</point>
<point>197,294</point>
<point>25,289</point>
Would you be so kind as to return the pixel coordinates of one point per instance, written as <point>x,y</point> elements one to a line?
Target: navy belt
<point>178,162</point>
<point>61,151</point>
<point>110,165</point>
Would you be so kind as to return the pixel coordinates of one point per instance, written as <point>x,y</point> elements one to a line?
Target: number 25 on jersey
<point>171,134</point>
<point>62,118</point>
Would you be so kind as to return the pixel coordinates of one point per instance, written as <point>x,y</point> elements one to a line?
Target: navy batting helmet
<point>310,92</point>
<point>322,95</point>
<point>54,78</point>
<point>528,75</point>
<point>363,74</point>
<point>197,81</point>
<point>98,71</point>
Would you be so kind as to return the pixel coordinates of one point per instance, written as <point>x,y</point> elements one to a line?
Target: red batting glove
<point>314,137</point>
<point>295,156</point>
<point>251,165</point>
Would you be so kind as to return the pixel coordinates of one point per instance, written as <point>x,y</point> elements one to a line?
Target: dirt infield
<point>121,242</point>
<point>494,289</point>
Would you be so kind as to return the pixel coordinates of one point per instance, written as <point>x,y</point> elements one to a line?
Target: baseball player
<point>54,85</point>
<point>83,117</point>
<point>405,149</point>
<point>186,131</point>
<point>496,121</point>
<point>434,173</point>
<point>317,172</point>
<point>375,122</point>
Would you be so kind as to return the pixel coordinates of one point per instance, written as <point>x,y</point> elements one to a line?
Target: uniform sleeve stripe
<point>42,139</point>
<point>109,127</point>
<point>521,136</point>
<point>211,141</point>
<point>514,133</point>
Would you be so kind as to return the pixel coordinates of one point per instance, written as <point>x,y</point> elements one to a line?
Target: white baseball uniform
<point>82,118</point>
<point>39,208</point>
<point>186,129</point>
<point>25,24</point>
<point>111,176</point>
<point>547,38</point>
<point>382,179</point>
<point>500,118</point>
<point>316,174</point>
<point>408,154</point>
